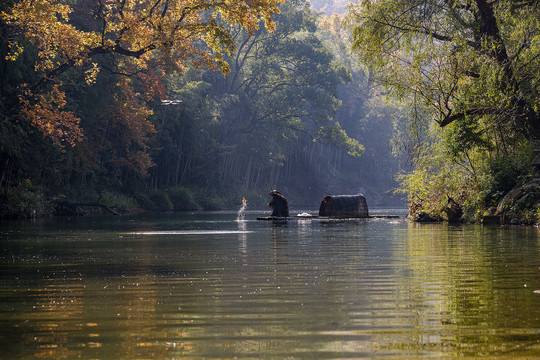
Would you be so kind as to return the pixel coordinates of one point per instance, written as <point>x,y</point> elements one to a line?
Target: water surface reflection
<point>204,285</point>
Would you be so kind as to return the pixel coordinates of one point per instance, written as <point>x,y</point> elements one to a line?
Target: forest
<point>466,76</point>
<point>168,105</point>
<point>181,105</point>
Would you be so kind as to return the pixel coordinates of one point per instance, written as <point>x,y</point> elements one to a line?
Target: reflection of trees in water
<point>242,237</point>
<point>73,316</point>
<point>461,282</point>
<point>338,289</point>
<point>61,303</point>
<point>279,239</point>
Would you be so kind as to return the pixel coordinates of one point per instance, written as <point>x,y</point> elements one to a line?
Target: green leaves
<point>471,67</point>
<point>276,105</point>
<point>336,136</point>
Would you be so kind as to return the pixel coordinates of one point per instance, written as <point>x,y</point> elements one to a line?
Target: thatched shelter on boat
<point>344,206</point>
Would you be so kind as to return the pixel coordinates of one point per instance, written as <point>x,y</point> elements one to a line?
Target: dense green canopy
<point>468,61</point>
<point>468,75</point>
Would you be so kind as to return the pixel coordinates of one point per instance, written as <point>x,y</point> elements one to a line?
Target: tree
<point>287,80</point>
<point>457,61</point>
<point>467,71</point>
<point>142,34</point>
<point>364,115</point>
<point>279,99</point>
<point>87,73</point>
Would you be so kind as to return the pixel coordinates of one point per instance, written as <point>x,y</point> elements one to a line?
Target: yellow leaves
<point>136,27</point>
<point>91,74</point>
<point>15,50</point>
<point>142,34</point>
<point>45,24</point>
<point>249,13</point>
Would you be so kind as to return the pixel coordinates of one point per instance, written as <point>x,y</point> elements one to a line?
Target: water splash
<point>241,213</point>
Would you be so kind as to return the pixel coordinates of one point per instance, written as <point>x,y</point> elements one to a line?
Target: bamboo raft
<point>325,218</point>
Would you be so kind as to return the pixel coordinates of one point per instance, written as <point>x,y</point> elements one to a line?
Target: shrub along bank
<point>30,201</point>
<point>503,189</point>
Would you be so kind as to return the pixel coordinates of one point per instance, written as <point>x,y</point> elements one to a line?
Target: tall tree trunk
<point>524,112</point>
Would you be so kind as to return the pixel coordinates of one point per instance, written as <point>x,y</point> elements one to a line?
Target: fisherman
<point>278,204</point>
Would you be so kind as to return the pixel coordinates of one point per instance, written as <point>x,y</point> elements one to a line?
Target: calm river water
<point>205,286</point>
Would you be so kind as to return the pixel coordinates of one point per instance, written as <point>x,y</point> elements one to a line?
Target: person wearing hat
<point>278,204</point>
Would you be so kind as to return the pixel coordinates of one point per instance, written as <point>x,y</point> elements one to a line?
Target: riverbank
<point>27,200</point>
<point>519,206</point>
<point>30,201</point>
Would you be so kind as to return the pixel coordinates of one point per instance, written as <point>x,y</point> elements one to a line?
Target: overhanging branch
<point>450,118</point>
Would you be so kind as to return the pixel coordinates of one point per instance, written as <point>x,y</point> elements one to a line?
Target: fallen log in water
<point>74,206</point>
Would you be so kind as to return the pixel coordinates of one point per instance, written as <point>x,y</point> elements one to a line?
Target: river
<point>205,286</point>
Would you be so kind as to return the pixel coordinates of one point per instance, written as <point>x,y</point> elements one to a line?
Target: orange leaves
<point>152,85</point>
<point>129,111</point>
<point>45,24</point>
<point>143,36</point>
<point>45,113</point>
<point>133,28</point>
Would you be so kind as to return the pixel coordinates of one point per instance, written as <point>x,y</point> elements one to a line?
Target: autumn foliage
<point>143,37</point>
<point>46,113</point>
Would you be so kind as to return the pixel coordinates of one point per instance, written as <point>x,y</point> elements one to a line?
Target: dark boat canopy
<point>344,206</point>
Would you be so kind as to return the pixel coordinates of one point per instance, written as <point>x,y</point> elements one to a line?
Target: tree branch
<point>424,31</point>
<point>448,119</point>
<point>74,205</point>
